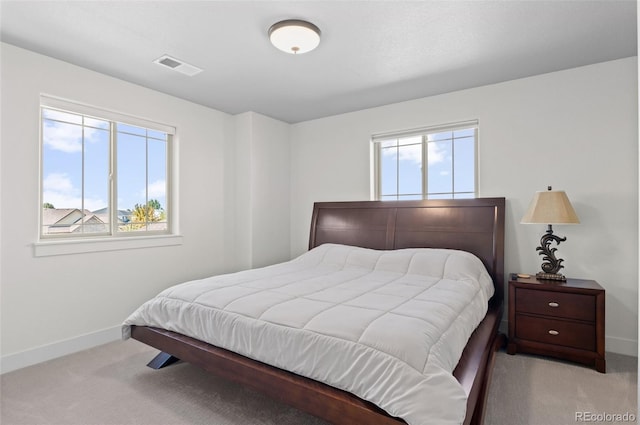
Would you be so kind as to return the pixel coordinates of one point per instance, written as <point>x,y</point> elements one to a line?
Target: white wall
<point>262,189</point>
<point>232,178</point>
<point>56,300</point>
<point>576,130</point>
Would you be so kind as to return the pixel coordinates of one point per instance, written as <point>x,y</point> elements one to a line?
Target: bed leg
<point>161,360</point>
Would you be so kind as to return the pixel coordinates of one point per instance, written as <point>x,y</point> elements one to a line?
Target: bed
<point>364,232</point>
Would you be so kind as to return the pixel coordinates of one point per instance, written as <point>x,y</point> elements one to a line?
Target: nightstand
<point>558,319</point>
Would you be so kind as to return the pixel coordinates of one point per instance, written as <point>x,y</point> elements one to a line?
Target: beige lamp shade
<point>550,207</point>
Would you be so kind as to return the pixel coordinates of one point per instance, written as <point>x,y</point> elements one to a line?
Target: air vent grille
<point>170,62</point>
<point>177,65</point>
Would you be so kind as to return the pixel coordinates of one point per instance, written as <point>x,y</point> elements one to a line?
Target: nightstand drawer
<point>556,304</point>
<point>556,332</point>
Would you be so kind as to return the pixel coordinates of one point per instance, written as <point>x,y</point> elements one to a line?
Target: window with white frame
<point>429,163</point>
<point>103,174</point>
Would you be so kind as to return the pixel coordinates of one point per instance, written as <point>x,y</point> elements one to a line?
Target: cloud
<point>58,190</point>
<point>62,137</point>
<point>158,189</point>
<point>67,137</point>
<point>436,153</point>
<point>413,153</point>
<point>58,182</point>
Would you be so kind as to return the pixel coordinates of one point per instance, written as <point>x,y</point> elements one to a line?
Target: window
<point>430,163</point>
<point>103,174</point>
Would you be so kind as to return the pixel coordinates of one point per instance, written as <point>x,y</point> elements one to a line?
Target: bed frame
<point>473,225</point>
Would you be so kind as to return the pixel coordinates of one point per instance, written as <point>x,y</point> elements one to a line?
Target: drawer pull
<point>553,332</point>
<point>552,304</point>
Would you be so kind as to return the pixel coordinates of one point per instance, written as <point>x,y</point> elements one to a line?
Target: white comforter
<point>388,326</point>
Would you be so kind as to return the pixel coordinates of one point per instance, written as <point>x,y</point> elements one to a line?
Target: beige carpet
<point>110,385</point>
<point>543,391</point>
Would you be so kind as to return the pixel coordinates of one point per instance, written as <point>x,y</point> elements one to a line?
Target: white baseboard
<point>628,347</point>
<point>43,353</point>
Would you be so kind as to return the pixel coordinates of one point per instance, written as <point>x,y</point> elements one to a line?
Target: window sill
<point>60,247</point>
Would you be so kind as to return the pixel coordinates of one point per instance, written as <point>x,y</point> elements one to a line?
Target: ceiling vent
<point>177,65</point>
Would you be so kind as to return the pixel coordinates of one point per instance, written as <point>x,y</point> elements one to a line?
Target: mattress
<point>387,326</point>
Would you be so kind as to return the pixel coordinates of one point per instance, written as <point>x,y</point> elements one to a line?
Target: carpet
<point>110,385</point>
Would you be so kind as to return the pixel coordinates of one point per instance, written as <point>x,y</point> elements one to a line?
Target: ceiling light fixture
<point>294,36</point>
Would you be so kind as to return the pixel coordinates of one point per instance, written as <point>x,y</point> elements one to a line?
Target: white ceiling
<point>371,53</point>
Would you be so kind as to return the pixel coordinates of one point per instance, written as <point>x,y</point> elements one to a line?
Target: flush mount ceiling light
<point>294,36</point>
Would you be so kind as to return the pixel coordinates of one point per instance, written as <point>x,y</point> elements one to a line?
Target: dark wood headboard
<point>473,225</point>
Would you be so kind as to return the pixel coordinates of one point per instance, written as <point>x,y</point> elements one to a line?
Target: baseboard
<point>628,347</point>
<point>43,353</point>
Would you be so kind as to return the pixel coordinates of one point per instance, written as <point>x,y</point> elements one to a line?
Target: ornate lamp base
<point>550,276</point>
<point>551,265</point>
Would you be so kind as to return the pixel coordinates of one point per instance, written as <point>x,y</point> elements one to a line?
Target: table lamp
<point>550,207</point>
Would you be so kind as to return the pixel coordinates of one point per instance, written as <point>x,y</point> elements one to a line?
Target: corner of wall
<point>263,186</point>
